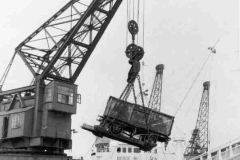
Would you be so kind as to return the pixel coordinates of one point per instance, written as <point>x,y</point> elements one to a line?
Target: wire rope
<point>127,22</point>
<point>91,147</point>
<point>133,8</point>
<point>5,74</point>
<point>138,17</point>
<point>192,84</point>
<point>143,22</point>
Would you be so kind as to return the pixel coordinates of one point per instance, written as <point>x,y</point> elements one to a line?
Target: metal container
<point>139,116</point>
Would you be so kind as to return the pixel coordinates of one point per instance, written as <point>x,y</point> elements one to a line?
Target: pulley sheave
<point>133,27</point>
<point>134,52</point>
<point>131,50</point>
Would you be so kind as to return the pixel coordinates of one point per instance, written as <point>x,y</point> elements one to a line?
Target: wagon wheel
<point>133,132</point>
<point>143,138</point>
<point>116,129</point>
<point>104,123</point>
<point>154,138</point>
<point>106,126</point>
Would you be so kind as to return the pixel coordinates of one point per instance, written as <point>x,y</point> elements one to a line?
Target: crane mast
<point>199,141</point>
<point>38,117</point>
<point>156,94</point>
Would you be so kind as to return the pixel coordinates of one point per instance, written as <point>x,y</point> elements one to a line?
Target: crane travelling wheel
<point>133,27</point>
<point>131,50</point>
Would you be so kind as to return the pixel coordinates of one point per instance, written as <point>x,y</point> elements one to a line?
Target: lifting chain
<point>141,93</point>
<point>128,92</point>
<point>134,95</point>
<point>124,92</point>
<point>146,117</point>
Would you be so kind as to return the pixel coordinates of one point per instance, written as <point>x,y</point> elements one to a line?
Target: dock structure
<point>229,151</point>
<point>33,157</point>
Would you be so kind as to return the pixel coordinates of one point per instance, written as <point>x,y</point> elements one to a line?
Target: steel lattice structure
<point>156,94</point>
<point>60,48</point>
<point>198,143</point>
<point>55,53</point>
<point>66,40</point>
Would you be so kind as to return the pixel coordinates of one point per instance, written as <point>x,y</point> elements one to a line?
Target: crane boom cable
<point>143,21</point>
<point>211,66</point>
<point>91,147</point>
<point>133,9</point>
<point>192,84</point>
<point>138,17</point>
<point>127,22</point>
<point>6,72</point>
<point>130,4</point>
<point>193,98</point>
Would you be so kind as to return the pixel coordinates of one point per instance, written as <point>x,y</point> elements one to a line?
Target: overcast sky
<point>177,34</point>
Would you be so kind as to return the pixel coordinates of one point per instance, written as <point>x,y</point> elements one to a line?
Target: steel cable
<point>91,147</point>
<point>192,84</point>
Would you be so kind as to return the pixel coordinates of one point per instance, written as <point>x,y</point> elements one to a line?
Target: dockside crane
<point>199,141</point>
<point>156,94</point>
<point>37,118</point>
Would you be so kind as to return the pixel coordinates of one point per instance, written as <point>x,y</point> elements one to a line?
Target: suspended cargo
<point>133,124</point>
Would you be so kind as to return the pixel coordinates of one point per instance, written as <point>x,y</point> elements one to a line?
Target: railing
<point>225,152</point>
<point>236,150</point>
<point>216,157</point>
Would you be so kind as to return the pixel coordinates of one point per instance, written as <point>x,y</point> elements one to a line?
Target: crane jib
<point>67,49</point>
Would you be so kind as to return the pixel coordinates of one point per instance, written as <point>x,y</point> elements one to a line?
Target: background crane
<point>199,141</point>
<point>156,94</point>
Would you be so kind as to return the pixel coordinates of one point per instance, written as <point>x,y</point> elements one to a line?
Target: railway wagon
<point>135,122</point>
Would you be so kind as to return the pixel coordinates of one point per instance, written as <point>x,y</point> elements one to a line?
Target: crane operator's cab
<point>53,129</point>
<point>60,97</point>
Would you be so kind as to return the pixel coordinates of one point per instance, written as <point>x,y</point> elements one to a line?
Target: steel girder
<point>199,140</point>
<point>156,94</point>
<point>59,49</point>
